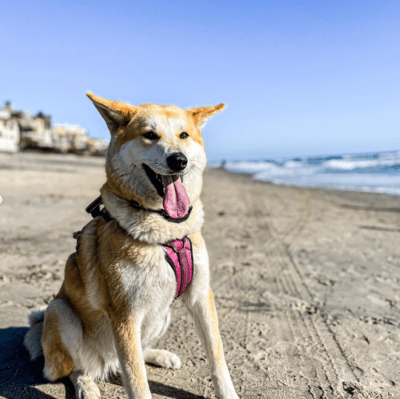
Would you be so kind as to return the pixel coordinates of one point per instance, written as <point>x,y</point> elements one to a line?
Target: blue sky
<point>298,77</point>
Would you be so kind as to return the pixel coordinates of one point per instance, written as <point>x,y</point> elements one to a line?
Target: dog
<point>142,250</point>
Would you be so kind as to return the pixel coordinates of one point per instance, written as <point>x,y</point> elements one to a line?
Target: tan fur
<point>217,347</point>
<point>59,363</point>
<point>127,336</point>
<point>115,300</point>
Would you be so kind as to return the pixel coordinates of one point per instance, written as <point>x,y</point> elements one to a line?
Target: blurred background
<point>300,78</point>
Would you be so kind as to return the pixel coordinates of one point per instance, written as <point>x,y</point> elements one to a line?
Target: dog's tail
<point>33,337</point>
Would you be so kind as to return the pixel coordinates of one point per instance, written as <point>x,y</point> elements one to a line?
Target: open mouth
<point>176,201</point>
<point>156,179</point>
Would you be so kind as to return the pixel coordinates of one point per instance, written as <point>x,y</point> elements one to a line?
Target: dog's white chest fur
<point>150,287</point>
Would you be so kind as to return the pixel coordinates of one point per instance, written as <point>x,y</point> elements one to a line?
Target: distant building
<point>20,130</point>
<point>33,131</point>
<point>9,130</point>
<point>70,138</point>
<point>97,147</point>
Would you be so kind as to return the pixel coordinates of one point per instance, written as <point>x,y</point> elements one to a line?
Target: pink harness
<point>179,255</point>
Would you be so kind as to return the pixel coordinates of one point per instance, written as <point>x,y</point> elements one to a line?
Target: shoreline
<point>331,191</point>
<point>365,172</point>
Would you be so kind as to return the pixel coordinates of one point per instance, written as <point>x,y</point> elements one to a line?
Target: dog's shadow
<point>19,376</point>
<point>162,389</point>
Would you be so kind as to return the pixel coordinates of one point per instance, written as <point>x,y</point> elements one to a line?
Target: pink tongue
<point>176,200</point>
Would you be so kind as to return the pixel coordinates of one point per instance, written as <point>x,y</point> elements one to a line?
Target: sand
<point>307,284</point>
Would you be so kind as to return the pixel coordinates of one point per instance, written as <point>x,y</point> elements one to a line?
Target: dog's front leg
<point>129,348</point>
<point>205,317</point>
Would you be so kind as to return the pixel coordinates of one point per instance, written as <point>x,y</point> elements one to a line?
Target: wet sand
<point>307,284</point>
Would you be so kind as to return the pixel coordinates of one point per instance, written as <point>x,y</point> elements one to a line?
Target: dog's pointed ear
<point>115,113</point>
<point>202,114</point>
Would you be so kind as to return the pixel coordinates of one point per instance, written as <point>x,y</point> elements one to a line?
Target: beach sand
<point>306,282</point>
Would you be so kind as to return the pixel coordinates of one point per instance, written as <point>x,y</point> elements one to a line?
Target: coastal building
<point>9,130</point>
<point>97,147</point>
<point>70,138</point>
<point>33,132</point>
<point>21,131</point>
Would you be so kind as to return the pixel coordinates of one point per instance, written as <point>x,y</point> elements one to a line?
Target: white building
<point>70,138</point>
<point>9,130</point>
<point>97,147</point>
<point>20,130</point>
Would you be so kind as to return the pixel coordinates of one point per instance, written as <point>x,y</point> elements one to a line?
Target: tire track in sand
<point>318,357</point>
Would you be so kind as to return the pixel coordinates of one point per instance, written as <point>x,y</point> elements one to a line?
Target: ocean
<point>370,172</point>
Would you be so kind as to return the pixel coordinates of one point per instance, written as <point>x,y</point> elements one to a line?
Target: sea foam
<point>377,172</point>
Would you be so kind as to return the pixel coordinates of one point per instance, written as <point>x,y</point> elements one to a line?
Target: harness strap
<point>94,209</point>
<point>179,254</point>
<point>162,212</point>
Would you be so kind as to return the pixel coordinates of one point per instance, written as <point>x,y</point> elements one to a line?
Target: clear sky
<point>298,77</point>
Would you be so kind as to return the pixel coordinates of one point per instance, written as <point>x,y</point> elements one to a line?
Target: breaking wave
<point>379,172</point>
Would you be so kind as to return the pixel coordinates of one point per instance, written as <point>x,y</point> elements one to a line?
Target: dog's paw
<point>232,395</point>
<point>89,391</point>
<point>228,395</point>
<point>161,358</point>
<point>85,388</point>
<point>225,390</point>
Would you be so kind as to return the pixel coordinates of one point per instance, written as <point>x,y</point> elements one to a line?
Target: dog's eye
<point>183,135</point>
<point>150,135</point>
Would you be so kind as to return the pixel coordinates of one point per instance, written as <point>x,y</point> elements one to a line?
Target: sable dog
<point>141,251</point>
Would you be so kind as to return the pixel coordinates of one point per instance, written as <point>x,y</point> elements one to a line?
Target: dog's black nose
<point>177,161</point>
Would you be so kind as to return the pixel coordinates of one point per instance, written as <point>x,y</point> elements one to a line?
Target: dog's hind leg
<point>62,336</point>
<point>57,359</point>
<point>85,387</point>
<point>162,358</point>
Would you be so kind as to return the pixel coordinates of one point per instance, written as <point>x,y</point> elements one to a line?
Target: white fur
<point>95,356</point>
<point>32,339</point>
<point>127,161</point>
<point>85,388</point>
<point>151,227</point>
<point>37,315</point>
<point>162,358</point>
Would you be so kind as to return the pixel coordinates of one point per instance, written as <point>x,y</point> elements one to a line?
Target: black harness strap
<point>94,209</point>
<point>162,212</point>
